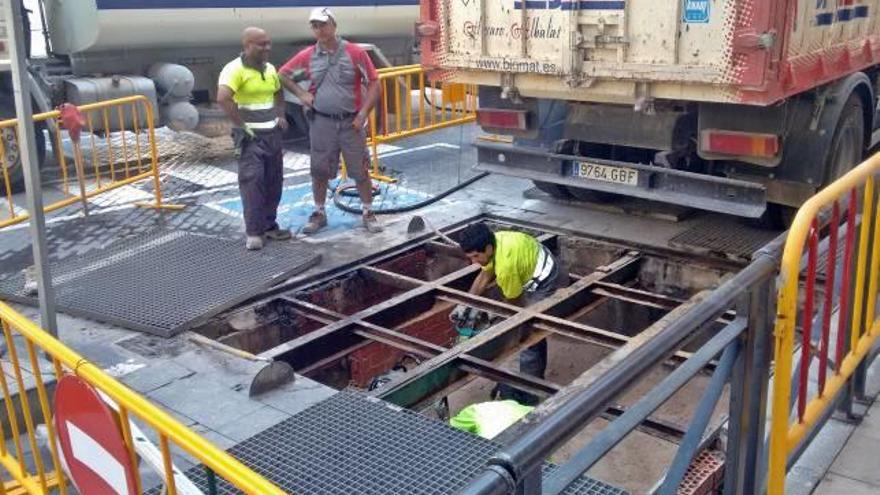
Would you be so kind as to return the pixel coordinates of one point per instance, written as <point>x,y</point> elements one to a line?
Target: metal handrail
<point>509,467</point>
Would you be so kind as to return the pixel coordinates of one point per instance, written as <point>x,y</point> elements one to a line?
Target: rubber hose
<point>403,209</point>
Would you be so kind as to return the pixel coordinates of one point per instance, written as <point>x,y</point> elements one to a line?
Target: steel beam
<point>651,299</point>
<point>408,343</point>
<point>618,430</point>
<point>492,341</point>
<point>331,331</point>
<point>549,429</point>
<point>702,414</point>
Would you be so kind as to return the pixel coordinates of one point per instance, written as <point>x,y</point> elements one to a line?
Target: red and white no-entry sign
<point>91,441</point>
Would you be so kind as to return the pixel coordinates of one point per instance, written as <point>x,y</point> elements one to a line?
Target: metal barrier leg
<point>860,377</point>
<point>154,159</point>
<point>748,396</point>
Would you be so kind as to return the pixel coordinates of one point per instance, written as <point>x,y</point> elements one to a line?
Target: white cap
<point>321,14</point>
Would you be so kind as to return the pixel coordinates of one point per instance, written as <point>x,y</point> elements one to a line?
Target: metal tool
<point>418,224</point>
<point>271,376</point>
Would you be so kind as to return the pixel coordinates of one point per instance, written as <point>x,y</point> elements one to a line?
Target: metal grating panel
<point>165,282</point>
<point>354,444</point>
<point>730,237</point>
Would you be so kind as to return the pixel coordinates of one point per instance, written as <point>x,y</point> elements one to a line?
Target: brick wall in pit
<point>375,359</point>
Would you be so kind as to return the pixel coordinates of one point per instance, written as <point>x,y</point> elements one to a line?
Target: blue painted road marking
<point>297,204</point>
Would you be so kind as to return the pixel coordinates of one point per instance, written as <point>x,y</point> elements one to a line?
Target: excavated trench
<point>345,331</point>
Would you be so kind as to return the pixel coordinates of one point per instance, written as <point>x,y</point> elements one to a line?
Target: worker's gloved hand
<point>460,315</point>
<point>240,136</point>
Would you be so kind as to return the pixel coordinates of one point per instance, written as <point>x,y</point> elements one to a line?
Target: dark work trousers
<point>533,361</point>
<point>260,177</point>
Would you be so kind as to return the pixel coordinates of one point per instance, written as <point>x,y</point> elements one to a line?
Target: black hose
<point>402,209</point>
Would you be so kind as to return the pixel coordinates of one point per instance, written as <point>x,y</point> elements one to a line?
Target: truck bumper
<point>705,192</point>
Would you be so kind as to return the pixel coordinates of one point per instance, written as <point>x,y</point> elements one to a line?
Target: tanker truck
<point>172,51</point>
<point>744,107</point>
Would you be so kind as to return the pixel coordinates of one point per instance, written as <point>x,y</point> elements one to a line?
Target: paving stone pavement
<point>856,470</point>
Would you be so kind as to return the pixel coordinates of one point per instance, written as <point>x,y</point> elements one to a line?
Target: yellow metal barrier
<point>46,478</point>
<point>410,104</point>
<point>857,325</point>
<point>115,157</point>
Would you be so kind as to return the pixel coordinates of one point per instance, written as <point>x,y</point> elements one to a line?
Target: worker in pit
<point>525,272</point>
<point>488,419</point>
<point>337,107</point>
<point>250,94</point>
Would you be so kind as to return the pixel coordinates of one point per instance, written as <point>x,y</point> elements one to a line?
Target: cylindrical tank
<point>82,90</point>
<point>179,116</point>
<point>172,80</point>
<point>98,25</point>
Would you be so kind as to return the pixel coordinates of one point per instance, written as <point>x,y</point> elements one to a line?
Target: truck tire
<point>846,151</point>
<point>555,190</point>
<point>11,149</point>
<point>848,145</point>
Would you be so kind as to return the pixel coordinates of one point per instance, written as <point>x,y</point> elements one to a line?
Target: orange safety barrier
<point>837,327</point>
<point>120,149</point>
<point>35,468</point>
<point>410,104</point>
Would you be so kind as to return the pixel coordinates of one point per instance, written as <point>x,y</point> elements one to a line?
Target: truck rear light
<point>503,119</point>
<point>739,143</point>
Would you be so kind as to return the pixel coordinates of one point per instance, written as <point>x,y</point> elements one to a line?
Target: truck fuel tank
<point>84,90</point>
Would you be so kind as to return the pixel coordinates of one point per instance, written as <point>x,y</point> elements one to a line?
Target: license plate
<point>607,173</point>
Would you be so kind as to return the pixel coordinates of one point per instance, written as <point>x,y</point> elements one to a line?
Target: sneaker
<point>277,234</point>
<point>254,243</point>
<point>371,223</point>
<point>317,221</point>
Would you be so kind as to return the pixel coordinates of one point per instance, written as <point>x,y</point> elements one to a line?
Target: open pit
<point>363,324</point>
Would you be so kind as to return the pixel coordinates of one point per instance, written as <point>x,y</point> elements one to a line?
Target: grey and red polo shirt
<point>336,79</point>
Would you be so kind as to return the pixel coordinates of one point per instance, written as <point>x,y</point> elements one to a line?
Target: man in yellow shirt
<point>250,93</point>
<point>525,272</point>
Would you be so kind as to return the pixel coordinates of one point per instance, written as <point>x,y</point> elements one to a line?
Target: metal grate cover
<point>166,281</point>
<point>730,237</point>
<point>353,444</point>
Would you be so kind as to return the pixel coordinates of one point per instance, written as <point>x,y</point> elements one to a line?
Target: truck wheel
<point>12,151</point>
<point>848,145</point>
<point>846,151</point>
<point>555,190</point>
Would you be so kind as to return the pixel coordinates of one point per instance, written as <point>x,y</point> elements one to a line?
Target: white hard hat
<point>321,14</point>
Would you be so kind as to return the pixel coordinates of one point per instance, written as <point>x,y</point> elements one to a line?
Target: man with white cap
<point>338,107</point>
